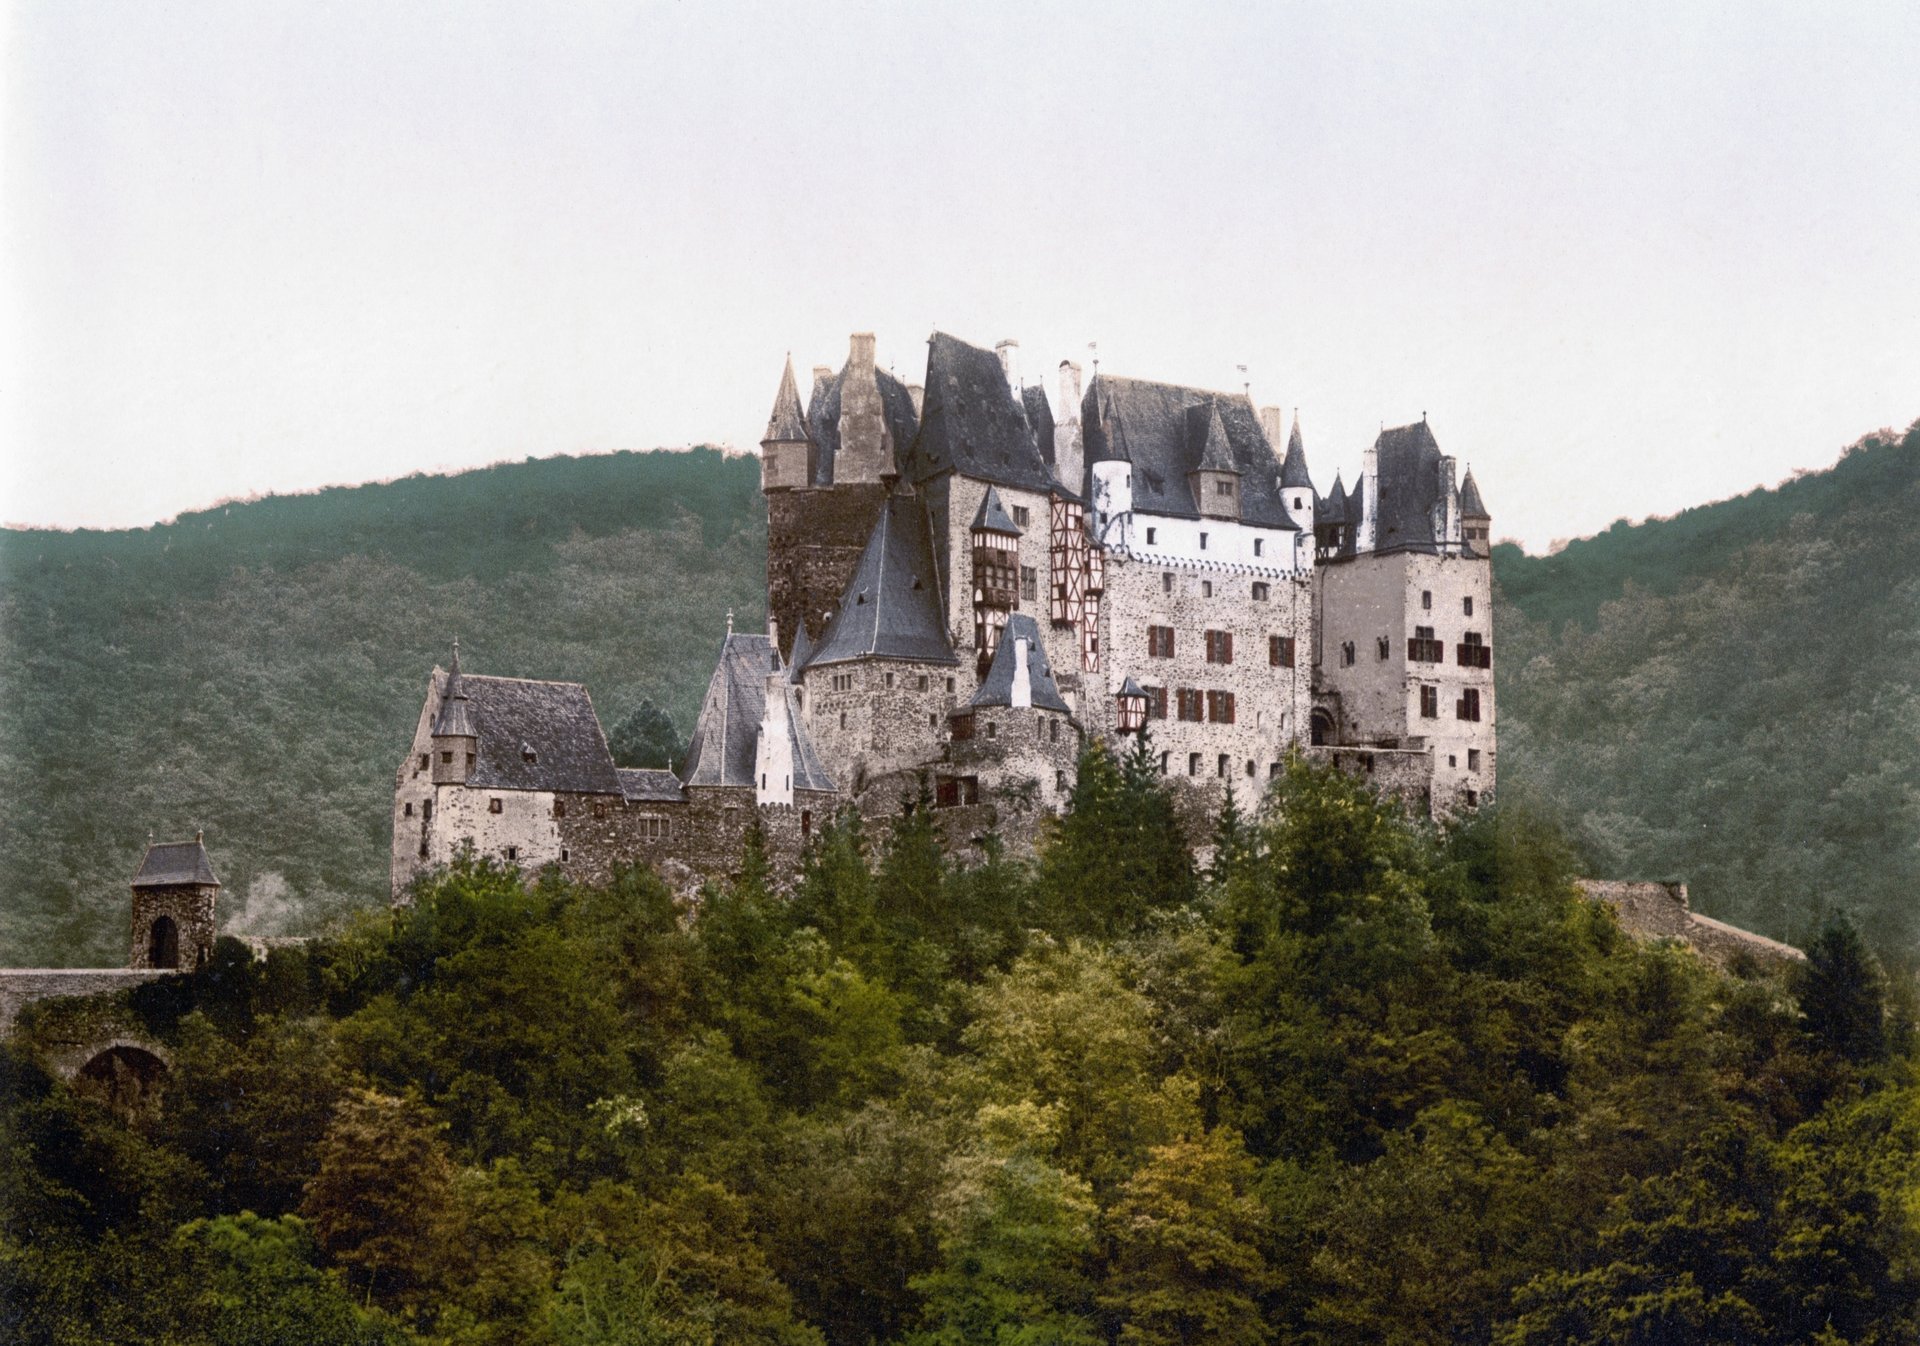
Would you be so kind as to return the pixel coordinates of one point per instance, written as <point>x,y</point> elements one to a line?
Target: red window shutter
<point>1227,699</point>
<point>1226,647</point>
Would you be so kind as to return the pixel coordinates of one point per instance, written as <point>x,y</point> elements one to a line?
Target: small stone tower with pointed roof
<point>456,738</point>
<point>173,895</point>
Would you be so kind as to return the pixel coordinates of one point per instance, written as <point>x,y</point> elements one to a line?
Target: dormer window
<point>1224,486</point>
<point>528,755</point>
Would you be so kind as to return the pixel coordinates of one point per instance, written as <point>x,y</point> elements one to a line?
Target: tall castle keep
<point>966,581</point>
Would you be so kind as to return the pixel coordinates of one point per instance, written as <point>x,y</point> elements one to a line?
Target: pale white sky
<point>1629,257</point>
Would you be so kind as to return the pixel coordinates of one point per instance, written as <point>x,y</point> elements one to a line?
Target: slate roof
<point>787,423</point>
<point>1166,431</point>
<point>726,737</point>
<point>1293,472</point>
<point>891,608</point>
<point>992,516</point>
<point>1333,505</point>
<point>1410,488</point>
<point>823,419</point>
<point>455,719</point>
<point>647,785</point>
<point>972,423</point>
<point>1039,420</point>
<point>996,689</point>
<point>169,864</point>
<point>802,654</point>
<point>1471,506</point>
<point>551,722</point>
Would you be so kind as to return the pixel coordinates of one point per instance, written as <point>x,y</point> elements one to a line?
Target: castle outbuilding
<point>173,898</point>
<point>967,580</point>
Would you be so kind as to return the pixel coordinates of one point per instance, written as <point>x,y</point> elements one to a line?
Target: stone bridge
<point>98,1048</point>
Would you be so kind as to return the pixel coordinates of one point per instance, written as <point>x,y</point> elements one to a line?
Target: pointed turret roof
<point>992,516</point>
<point>1128,687</point>
<point>788,423</point>
<point>1293,472</point>
<point>456,710</point>
<point>1216,455</point>
<point>890,609</point>
<point>1471,506</point>
<point>996,689</point>
<point>1357,502</point>
<point>802,652</point>
<point>1335,505</point>
<point>727,734</point>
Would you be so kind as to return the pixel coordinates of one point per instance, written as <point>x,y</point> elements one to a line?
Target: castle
<point>967,581</point>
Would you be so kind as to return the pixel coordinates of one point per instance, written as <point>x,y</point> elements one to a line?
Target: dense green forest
<point>1725,696</point>
<point>1730,696</point>
<point>1362,1081</point>
<point>256,669</point>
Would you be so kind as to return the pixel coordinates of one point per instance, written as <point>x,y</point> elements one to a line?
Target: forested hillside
<point>1732,696</point>
<point>1361,1082</point>
<point>255,669</point>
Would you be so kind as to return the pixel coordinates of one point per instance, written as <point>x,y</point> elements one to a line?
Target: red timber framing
<point>996,590</point>
<point>1078,578</point>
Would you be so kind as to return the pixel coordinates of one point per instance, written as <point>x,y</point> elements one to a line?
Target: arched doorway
<point>163,943</point>
<point>1320,731</point>
<point>124,1077</point>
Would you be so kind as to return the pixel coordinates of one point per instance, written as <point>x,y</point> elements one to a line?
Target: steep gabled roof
<point>1410,484</point>
<point>726,737</point>
<point>1333,506</point>
<point>1471,506</point>
<point>535,736</point>
<point>890,609</point>
<point>823,419</point>
<point>787,423</point>
<point>171,864</point>
<point>802,654</point>
<point>648,785</point>
<point>1166,431</point>
<point>1039,420</point>
<point>728,729</point>
<point>972,423</point>
<point>1293,472</point>
<point>996,689</point>
<point>992,516</point>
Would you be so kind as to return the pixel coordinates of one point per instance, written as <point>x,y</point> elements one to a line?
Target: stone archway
<point>126,1076</point>
<point>163,943</point>
<point>1321,730</point>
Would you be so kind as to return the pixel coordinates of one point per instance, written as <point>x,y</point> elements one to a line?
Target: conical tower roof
<point>1335,505</point>
<point>1471,506</point>
<point>1293,472</point>
<point>788,423</point>
<point>456,711</point>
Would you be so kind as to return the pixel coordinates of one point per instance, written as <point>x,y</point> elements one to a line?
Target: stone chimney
<point>1069,391</point>
<point>1273,425</point>
<point>1009,353</point>
<point>919,396</point>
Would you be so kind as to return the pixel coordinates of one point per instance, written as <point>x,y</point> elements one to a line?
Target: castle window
<point>1206,588</point>
<point>1151,532</point>
<point>559,808</point>
<point>1346,653</point>
<point>446,759</point>
<point>1473,799</point>
<point>1426,600</point>
<point>1280,651</point>
<point>1423,648</point>
<point>933,719</point>
<point>1260,590</point>
<point>1429,703</point>
<point>952,792</point>
<point>1219,647</point>
<point>513,852</point>
<point>843,719</point>
<point>949,686</point>
<point>1220,767</point>
<point>1251,768</point>
<point>1259,547</point>
<point>1474,652</point>
<point>1193,764</point>
<point>1166,581</point>
<point>1473,759</point>
<point>1384,646</point>
<point>1163,762</point>
<point>1466,606</point>
<point>1053,731</point>
<point>565,855</point>
<point>528,754</point>
<point>426,810</point>
<point>1189,703</point>
<point>993,730</point>
<point>1156,703</point>
<point>1203,542</point>
<point>423,761</point>
<point>843,682</point>
<point>1468,706</point>
<point>1452,761</point>
<point>1220,707</point>
<point>1060,781</point>
<point>1021,516</point>
<point>654,828</point>
<point>889,679</point>
<point>1297,503</point>
<point>1273,771</point>
<point>495,805</point>
<point>409,812</point>
<point>960,727</point>
<point>1029,585</point>
<point>806,823</point>
<point>469,761</point>
<point>1160,642</point>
